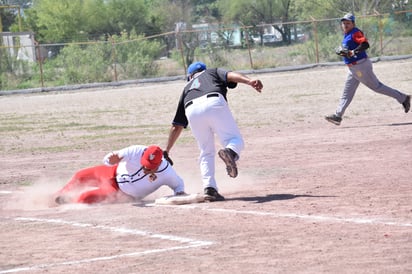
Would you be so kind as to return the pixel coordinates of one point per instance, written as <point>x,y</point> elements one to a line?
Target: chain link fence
<point>25,64</point>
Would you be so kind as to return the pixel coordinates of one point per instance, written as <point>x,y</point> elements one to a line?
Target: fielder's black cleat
<point>228,156</point>
<point>212,195</point>
<point>334,119</point>
<point>407,104</point>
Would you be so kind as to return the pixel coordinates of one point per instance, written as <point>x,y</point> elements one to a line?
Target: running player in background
<point>353,48</point>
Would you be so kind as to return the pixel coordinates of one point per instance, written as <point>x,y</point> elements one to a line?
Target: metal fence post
<point>248,48</point>
<point>179,37</point>
<point>381,34</point>
<point>40,60</point>
<point>114,61</point>
<point>315,29</point>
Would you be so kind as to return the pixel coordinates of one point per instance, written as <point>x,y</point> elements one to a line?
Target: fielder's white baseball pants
<point>208,116</point>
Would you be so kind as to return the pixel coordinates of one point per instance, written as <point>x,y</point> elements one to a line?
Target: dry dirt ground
<point>311,197</point>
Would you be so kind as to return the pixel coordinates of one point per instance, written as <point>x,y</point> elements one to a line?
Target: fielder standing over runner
<point>203,105</point>
<point>353,48</point>
<point>136,171</point>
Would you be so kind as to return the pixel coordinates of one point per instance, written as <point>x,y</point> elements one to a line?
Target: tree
<point>7,16</point>
<point>206,11</point>
<point>78,20</point>
<point>260,12</point>
<point>127,15</point>
<point>320,9</point>
<point>176,15</point>
<point>57,21</point>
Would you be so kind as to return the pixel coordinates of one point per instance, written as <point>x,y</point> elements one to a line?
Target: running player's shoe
<point>407,103</point>
<point>334,119</point>
<point>212,195</point>
<point>228,156</point>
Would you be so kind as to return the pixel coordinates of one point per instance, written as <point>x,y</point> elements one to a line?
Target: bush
<point>78,64</point>
<point>136,55</point>
<point>13,72</point>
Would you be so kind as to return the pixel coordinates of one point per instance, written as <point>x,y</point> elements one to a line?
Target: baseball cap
<point>349,17</point>
<point>195,67</point>
<point>152,157</point>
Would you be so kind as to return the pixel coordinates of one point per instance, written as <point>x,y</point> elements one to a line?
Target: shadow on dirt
<point>274,197</point>
<point>381,125</point>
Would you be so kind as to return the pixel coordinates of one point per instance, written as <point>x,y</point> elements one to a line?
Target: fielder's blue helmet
<point>195,67</point>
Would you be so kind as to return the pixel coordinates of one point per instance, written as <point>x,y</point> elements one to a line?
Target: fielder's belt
<point>202,97</point>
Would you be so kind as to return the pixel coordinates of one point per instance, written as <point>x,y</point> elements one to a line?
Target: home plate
<point>180,199</point>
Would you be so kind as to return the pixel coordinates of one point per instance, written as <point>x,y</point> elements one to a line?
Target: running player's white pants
<point>207,117</point>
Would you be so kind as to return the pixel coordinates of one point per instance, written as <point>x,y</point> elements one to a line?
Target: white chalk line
<point>319,218</point>
<point>189,243</point>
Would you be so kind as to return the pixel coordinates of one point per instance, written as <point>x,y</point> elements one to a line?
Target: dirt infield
<point>310,197</point>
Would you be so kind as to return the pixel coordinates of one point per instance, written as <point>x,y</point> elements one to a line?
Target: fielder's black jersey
<point>208,81</point>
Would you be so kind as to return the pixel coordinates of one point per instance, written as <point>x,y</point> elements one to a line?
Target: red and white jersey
<point>133,181</point>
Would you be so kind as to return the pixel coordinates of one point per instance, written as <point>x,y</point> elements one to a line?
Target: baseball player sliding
<point>134,172</point>
<point>203,105</point>
<point>360,68</point>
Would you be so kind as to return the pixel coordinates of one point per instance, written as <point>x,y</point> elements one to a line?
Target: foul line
<point>189,243</point>
<point>319,218</point>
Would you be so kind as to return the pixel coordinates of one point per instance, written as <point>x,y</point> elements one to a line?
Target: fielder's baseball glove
<point>231,85</point>
<point>166,156</point>
<point>344,52</point>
